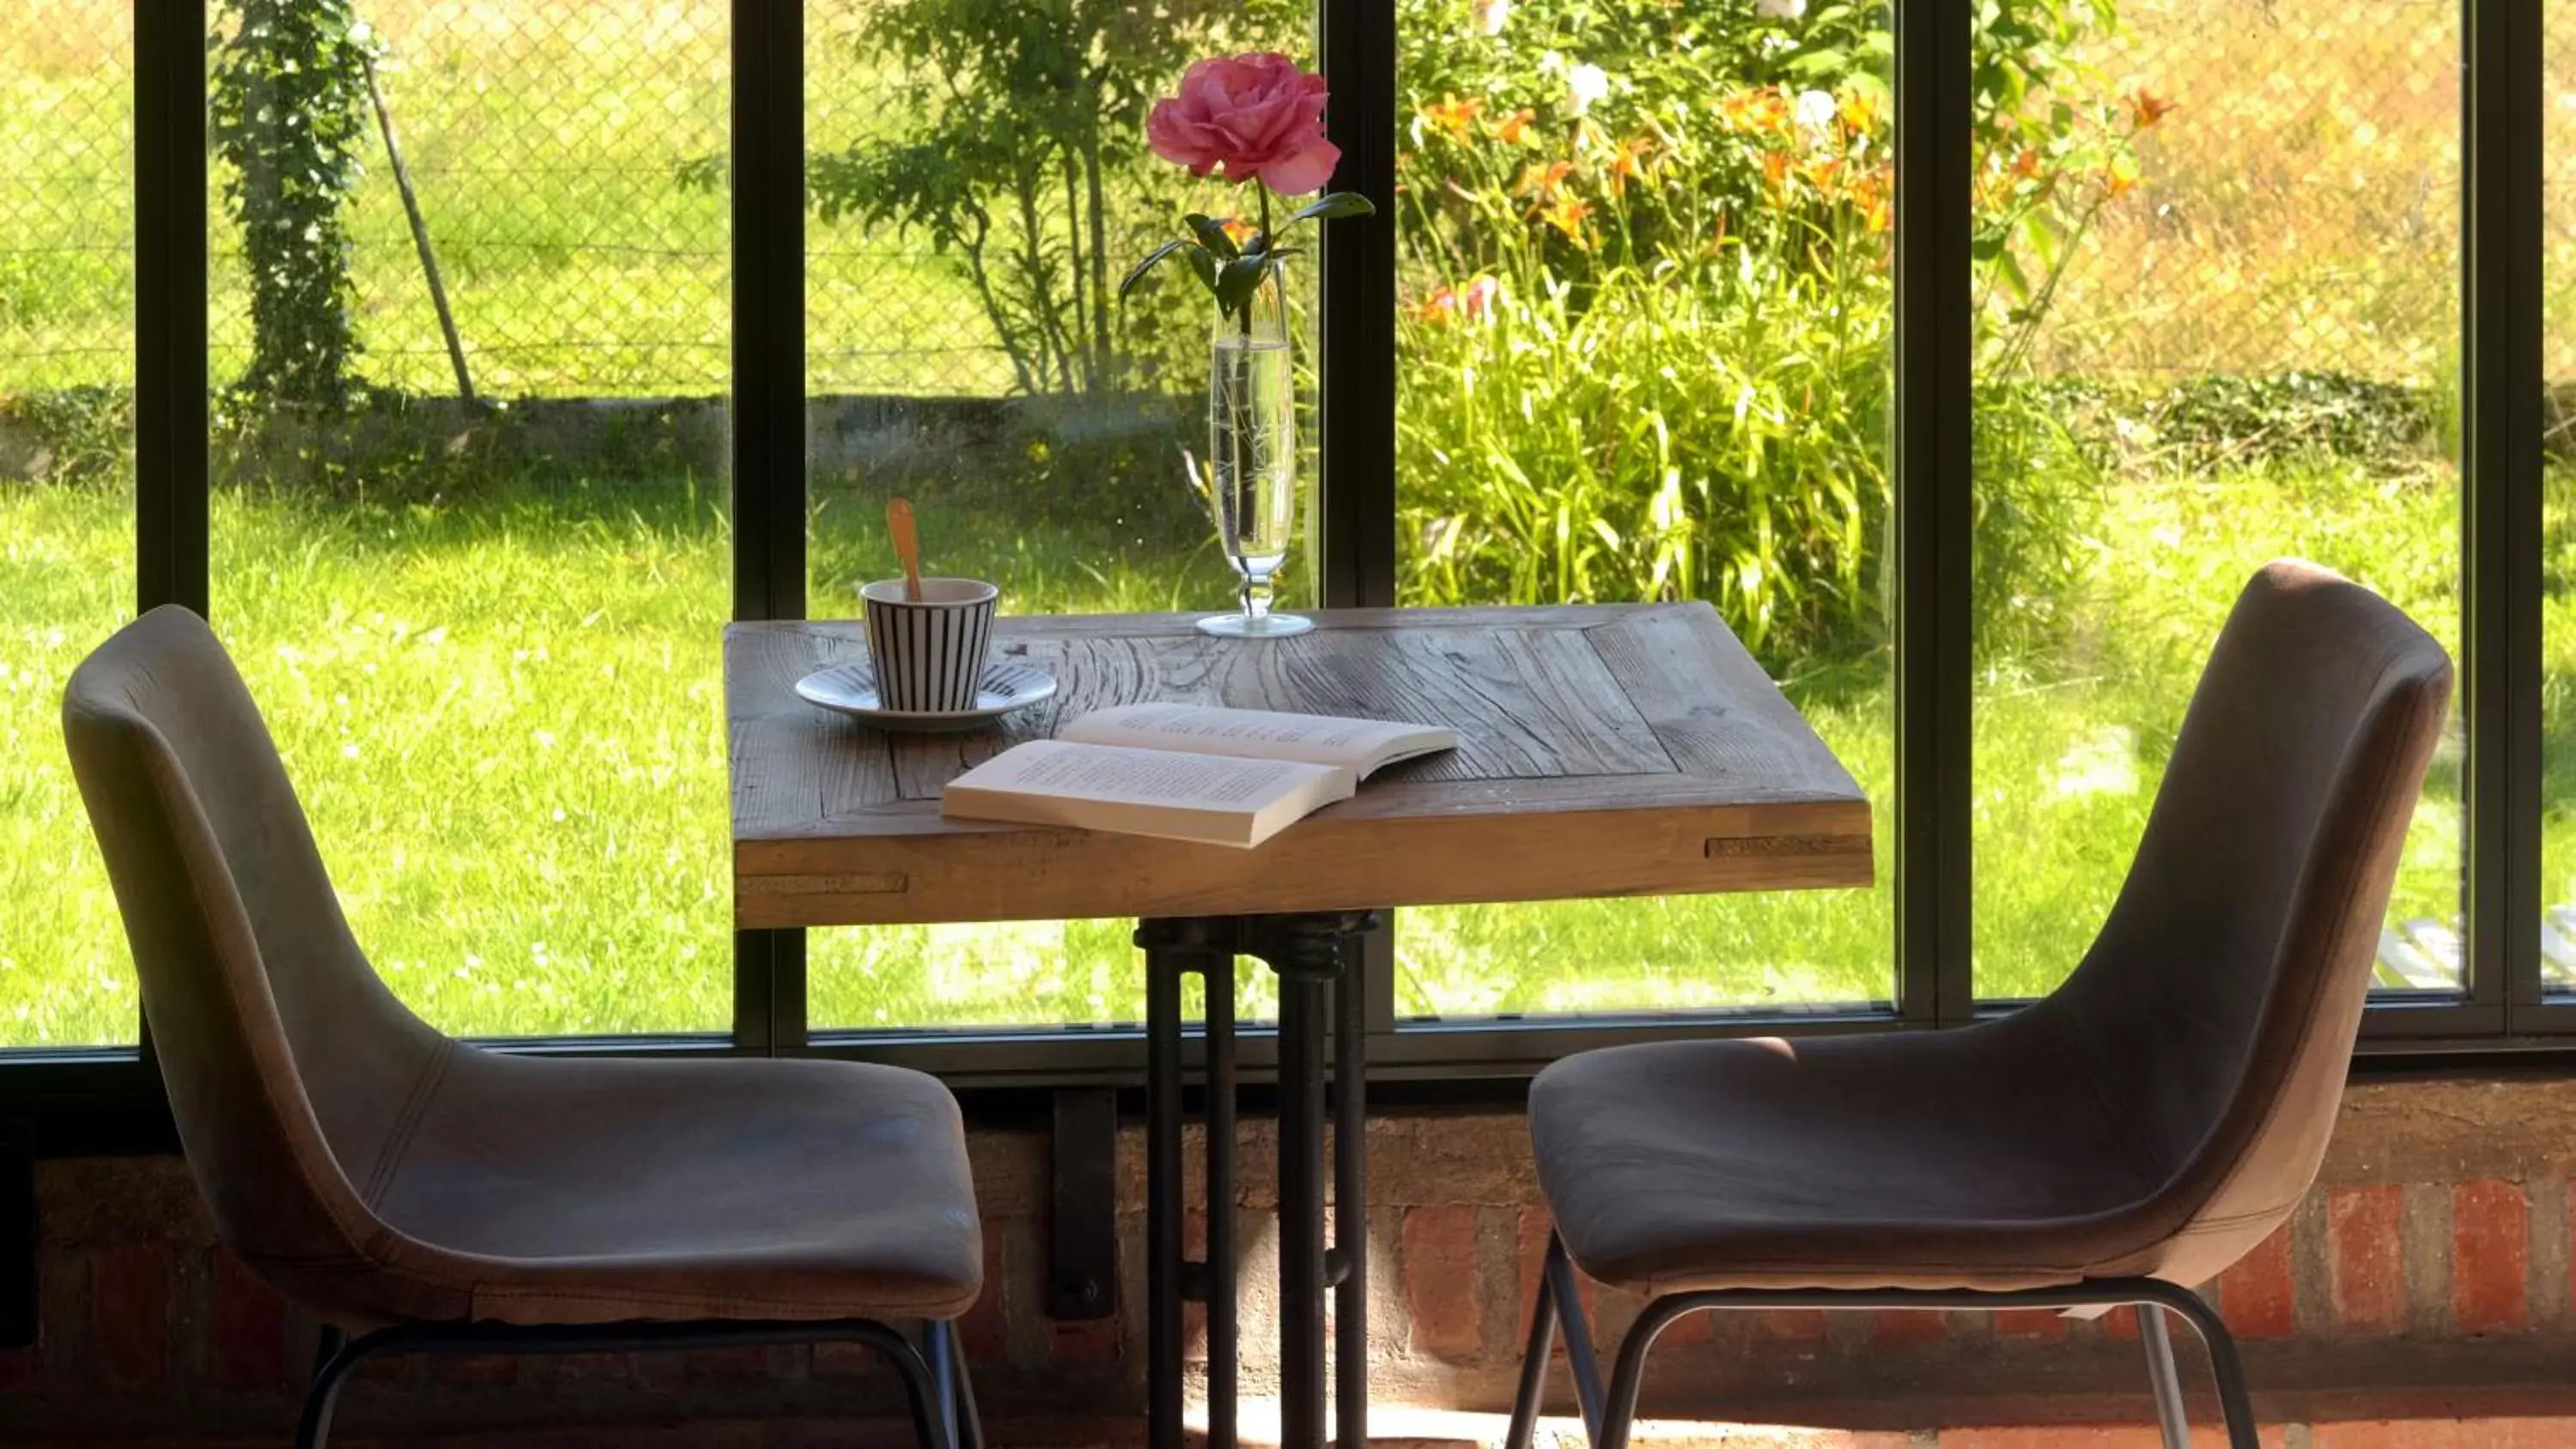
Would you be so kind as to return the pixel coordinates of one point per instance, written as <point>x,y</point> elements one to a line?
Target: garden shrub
<point>1648,304</point>
<point>285,111</point>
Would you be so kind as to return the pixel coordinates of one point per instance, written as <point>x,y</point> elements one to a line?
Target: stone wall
<point>2428,1276</point>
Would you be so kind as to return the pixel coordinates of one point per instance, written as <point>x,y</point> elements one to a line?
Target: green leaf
<point>1334,204</point>
<point>1211,234</point>
<point>1202,266</point>
<point>1154,258</point>
<point>1237,281</point>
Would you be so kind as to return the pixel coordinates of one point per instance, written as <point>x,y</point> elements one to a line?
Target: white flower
<point>1492,15</point>
<point>1586,84</point>
<point>1779,9</point>
<point>1815,110</point>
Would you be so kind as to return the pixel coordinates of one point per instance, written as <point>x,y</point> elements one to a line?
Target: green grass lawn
<point>504,716</point>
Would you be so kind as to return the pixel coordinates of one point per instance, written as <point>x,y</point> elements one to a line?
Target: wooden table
<point>1605,751</point>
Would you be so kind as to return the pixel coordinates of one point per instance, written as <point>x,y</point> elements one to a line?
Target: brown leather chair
<point>2135,1132</point>
<point>439,1198</point>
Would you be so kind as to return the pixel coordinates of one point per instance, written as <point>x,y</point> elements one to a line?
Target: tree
<point>288,84</point>
<point>1023,162</point>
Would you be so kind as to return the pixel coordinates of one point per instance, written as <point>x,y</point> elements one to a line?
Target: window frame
<point>2503,1009</point>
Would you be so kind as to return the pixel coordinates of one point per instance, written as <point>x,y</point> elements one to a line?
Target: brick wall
<point>2428,1275</point>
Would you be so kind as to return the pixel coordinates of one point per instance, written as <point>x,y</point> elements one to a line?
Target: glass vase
<point>1251,474</point>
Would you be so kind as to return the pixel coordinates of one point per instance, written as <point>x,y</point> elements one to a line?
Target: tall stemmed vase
<point>1255,118</point>
<point>1251,475</point>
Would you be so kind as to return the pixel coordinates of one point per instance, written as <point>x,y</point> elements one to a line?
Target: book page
<point>1155,777</point>
<point>1358,745</point>
<point>1216,799</point>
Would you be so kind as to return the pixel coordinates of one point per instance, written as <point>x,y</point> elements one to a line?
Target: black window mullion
<point>1934,458</point>
<point>2502,123</point>
<point>170,382</point>
<point>170,378</point>
<point>768,434</point>
<point>1357,567</point>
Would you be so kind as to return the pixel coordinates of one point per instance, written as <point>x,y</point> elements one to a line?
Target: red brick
<point>2366,1257</point>
<point>247,1332</point>
<point>1803,1325</point>
<point>1441,1286</point>
<point>2043,1325</point>
<point>2256,1295</point>
<point>1089,1341</point>
<point>596,1368</point>
<point>2054,1436</point>
<point>2088,1436</point>
<point>2490,1226</point>
<point>838,1360</point>
<point>478,1368</point>
<point>736,1363</point>
<point>2444,1434</point>
<point>1907,1325</point>
<point>2120,1323</point>
<point>1534,1227</point>
<point>1689,1330</point>
<point>129,1298</point>
<point>984,1333</point>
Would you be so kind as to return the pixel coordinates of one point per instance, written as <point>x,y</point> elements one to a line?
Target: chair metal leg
<point>327,1342</point>
<point>1610,1417</point>
<point>932,1398</point>
<point>2161,1376</point>
<point>1578,1336</point>
<point>2235,1400</point>
<point>1542,1342</point>
<point>339,1358</point>
<point>1619,1411</point>
<point>956,1390</point>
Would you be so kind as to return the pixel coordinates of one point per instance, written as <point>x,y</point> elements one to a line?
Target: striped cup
<point>929,656</point>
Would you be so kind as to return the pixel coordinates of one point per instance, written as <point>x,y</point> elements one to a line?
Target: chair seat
<point>1966,1159</point>
<point>580,1191</point>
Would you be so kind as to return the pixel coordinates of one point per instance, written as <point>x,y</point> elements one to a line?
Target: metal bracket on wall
<point>1082,1266</point>
<point>17,1234</point>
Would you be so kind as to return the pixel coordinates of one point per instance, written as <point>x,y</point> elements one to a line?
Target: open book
<point>1187,772</point>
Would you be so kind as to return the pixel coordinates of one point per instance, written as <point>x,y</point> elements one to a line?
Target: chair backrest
<point>2217,1011</point>
<point>290,1067</point>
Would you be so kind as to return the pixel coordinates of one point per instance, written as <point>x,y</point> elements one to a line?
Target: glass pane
<point>1644,354</point>
<point>981,182</point>
<point>2219,326</point>
<point>66,496</point>
<point>2558,502</point>
<point>487,633</point>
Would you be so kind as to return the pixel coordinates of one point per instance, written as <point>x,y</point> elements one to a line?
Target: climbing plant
<point>287,116</point>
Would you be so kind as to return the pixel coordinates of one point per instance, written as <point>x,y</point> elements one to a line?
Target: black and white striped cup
<point>929,656</point>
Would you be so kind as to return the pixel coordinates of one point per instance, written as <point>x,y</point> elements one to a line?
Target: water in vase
<point>1252,465</point>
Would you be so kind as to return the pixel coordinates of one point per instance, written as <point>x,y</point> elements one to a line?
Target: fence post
<point>419,234</point>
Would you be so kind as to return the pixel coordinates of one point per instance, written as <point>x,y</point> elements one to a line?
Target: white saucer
<point>851,689</point>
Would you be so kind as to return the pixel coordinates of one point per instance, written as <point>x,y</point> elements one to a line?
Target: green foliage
<point>1710,433</point>
<point>287,114</point>
<point>79,435</point>
<point>1024,158</point>
<point>1648,342</point>
<point>1231,274</point>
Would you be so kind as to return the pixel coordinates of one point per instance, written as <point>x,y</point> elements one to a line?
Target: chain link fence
<point>566,158</point>
<point>66,195</point>
<point>2297,209</point>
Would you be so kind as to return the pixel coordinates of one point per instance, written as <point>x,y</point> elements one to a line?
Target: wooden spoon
<point>907,546</point>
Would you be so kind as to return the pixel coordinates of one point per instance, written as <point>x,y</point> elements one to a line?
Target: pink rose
<point>1255,115</point>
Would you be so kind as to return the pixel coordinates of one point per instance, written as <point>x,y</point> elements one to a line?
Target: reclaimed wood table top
<point>1604,750</point>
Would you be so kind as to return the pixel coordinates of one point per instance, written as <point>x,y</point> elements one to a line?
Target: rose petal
<point>1303,170</point>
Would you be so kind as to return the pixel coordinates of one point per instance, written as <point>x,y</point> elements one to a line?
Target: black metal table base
<point>1317,959</point>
